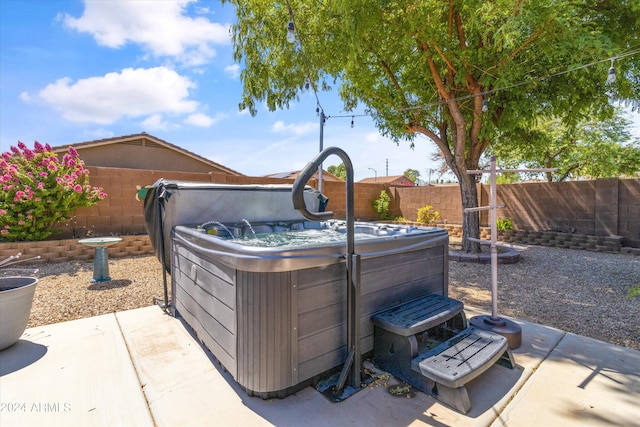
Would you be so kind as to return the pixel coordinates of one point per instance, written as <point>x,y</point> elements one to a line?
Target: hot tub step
<point>458,360</point>
<point>426,342</point>
<point>418,315</point>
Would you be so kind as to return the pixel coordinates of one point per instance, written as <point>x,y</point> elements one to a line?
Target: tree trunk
<point>471,220</point>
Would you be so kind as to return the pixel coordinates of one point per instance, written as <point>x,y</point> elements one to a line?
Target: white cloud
<point>161,27</point>
<point>202,120</point>
<point>232,71</point>
<point>130,93</point>
<point>155,122</point>
<point>294,129</point>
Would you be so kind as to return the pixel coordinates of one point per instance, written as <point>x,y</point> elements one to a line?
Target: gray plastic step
<point>418,315</point>
<point>462,357</point>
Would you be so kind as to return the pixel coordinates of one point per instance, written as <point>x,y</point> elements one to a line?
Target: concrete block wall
<point>602,207</point>
<point>445,199</point>
<point>629,211</point>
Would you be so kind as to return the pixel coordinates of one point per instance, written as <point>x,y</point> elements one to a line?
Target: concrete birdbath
<point>101,260</point>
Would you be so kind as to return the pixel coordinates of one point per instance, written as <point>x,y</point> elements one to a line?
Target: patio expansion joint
<point>135,369</point>
<point>499,412</point>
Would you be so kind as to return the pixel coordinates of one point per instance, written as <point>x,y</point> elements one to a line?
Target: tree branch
<point>529,40</point>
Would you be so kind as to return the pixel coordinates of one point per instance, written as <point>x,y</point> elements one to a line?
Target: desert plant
<point>504,224</point>
<point>39,191</point>
<point>381,205</point>
<point>427,215</point>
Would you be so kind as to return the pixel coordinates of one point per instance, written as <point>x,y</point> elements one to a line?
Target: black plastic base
<point>508,329</point>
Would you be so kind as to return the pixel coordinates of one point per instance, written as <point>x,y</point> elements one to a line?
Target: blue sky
<point>73,71</point>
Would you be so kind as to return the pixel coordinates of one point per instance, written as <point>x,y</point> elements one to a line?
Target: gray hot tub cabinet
<point>275,326</point>
<point>275,318</point>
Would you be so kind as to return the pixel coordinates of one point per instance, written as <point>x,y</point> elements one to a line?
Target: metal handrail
<point>352,365</point>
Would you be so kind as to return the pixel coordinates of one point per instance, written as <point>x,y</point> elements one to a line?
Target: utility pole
<point>322,117</point>
<point>387,167</point>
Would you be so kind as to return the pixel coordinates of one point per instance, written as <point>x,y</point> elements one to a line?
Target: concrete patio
<point>143,368</point>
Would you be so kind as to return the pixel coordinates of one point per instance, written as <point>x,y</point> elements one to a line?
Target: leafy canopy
<point>456,71</point>
<point>590,149</point>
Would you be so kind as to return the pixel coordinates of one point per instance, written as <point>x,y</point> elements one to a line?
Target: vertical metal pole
<point>322,117</point>
<point>354,296</point>
<point>494,239</point>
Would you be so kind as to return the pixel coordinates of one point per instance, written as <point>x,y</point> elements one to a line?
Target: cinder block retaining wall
<point>70,249</point>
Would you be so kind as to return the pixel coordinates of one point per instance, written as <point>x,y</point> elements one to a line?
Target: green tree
<point>453,71</point>
<point>591,148</point>
<point>340,171</point>
<point>413,175</point>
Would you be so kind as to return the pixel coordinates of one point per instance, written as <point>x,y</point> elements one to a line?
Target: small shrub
<point>427,215</point>
<point>504,224</point>
<point>381,205</point>
<point>39,191</point>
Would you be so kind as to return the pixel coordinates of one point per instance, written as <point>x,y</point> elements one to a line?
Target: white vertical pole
<point>494,239</point>
<point>321,148</point>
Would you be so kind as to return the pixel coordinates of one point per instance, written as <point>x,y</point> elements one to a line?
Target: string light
<point>291,32</point>
<point>493,91</point>
<point>291,38</point>
<point>611,77</point>
<point>291,27</point>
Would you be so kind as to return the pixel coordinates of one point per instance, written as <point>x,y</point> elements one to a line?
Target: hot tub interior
<point>301,233</point>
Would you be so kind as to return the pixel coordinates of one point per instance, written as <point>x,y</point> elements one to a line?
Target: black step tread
<point>462,357</point>
<point>418,315</point>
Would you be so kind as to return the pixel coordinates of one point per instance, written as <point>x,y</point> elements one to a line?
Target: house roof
<point>326,176</point>
<point>391,179</point>
<point>150,138</point>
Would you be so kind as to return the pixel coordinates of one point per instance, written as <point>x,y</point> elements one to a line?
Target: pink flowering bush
<point>39,191</point>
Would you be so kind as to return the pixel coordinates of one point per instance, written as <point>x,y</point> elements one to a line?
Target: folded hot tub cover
<point>169,203</point>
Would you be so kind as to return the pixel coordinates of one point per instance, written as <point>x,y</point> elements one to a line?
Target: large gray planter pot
<point>16,297</point>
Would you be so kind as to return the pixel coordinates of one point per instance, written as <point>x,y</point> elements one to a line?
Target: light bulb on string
<point>352,121</point>
<point>306,84</point>
<point>485,106</point>
<point>611,77</point>
<point>291,32</point>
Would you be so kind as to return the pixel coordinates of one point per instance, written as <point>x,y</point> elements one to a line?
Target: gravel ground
<point>576,291</point>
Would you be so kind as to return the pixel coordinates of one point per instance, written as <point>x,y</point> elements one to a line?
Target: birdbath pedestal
<point>101,261</point>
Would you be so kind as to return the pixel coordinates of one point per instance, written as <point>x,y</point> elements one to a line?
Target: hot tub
<point>275,317</point>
